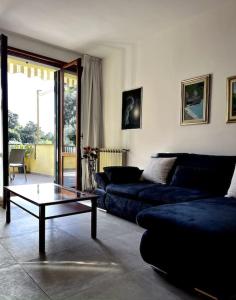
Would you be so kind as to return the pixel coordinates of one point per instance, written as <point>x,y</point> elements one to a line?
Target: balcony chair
<point>17,160</point>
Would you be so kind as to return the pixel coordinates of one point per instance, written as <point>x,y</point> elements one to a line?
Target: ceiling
<point>87,25</point>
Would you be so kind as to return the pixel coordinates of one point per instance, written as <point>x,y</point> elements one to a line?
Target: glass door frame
<point>15,52</point>
<point>61,153</point>
<point>8,50</point>
<point>4,109</point>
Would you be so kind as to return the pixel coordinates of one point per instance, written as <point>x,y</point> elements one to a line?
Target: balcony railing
<point>69,149</point>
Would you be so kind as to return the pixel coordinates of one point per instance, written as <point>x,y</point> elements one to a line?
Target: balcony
<point>40,164</point>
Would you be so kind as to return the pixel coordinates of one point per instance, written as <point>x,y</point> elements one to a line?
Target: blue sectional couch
<point>126,198</point>
<point>190,225</point>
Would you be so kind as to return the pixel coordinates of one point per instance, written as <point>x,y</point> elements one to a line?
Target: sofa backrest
<point>223,167</point>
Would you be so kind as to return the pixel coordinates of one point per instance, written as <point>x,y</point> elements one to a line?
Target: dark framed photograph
<point>195,100</point>
<point>131,109</point>
<point>231,99</point>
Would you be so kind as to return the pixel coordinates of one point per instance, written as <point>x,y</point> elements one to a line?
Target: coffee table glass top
<point>48,193</point>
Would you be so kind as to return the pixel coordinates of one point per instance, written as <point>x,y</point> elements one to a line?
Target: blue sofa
<point>126,198</point>
<point>190,225</point>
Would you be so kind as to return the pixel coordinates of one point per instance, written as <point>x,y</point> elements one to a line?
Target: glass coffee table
<point>47,201</point>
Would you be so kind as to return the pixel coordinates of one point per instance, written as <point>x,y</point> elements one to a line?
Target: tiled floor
<point>31,179</point>
<point>75,266</point>
<point>69,179</point>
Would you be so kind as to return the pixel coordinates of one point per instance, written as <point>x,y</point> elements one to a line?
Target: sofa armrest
<point>101,180</point>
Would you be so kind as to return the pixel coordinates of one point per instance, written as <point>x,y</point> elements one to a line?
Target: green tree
<point>47,138</point>
<point>70,115</point>
<point>14,135</point>
<point>13,120</point>
<point>28,133</point>
<point>13,127</point>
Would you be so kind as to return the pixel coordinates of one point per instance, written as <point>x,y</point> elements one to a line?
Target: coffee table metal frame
<point>64,208</point>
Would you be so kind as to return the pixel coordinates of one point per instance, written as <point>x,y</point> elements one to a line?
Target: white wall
<point>35,46</point>
<point>203,45</point>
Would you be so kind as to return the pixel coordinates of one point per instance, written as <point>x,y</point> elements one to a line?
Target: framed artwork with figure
<point>231,99</point>
<point>195,100</point>
<point>131,109</point>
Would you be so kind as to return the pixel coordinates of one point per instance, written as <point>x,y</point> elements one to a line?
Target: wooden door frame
<point>59,94</point>
<point>57,90</point>
<point>27,55</point>
<point>4,87</point>
<point>61,154</point>
<point>48,61</point>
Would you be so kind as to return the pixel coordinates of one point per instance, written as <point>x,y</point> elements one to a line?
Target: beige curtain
<point>91,98</point>
<point>91,109</point>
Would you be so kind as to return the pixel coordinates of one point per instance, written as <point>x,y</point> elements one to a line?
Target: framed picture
<point>231,99</point>
<point>195,100</point>
<point>131,109</point>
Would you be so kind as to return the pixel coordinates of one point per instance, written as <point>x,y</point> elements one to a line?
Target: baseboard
<point>205,294</point>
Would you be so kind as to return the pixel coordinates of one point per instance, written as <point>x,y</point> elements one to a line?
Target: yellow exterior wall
<point>42,160</point>
<point>69,162</point>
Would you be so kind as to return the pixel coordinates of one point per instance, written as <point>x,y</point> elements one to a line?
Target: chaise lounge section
<point>193,241</point>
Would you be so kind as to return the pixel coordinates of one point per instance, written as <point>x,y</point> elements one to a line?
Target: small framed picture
<point>131,109</point>
<point>231,99</point>
<point>195,100</point>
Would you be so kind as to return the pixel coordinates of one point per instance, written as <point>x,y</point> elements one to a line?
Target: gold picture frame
<point>195,94</point>
<point>231,100</point>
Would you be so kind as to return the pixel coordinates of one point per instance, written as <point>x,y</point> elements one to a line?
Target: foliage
<point>70,136</point>
<point>13,120</point>
<point>26,134</point>
<point>70,116</point>
<point>90,153</point>
<point>14,135</point>
<point>46,138</point>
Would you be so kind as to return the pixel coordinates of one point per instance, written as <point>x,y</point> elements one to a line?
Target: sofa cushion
<point>124,207</point>
<point>118,174</point>
<point>202,179</point>
<point>232,189</point>
<point>164,194</point>
<point>158,169</point>
<point>128,189</point>
<point>211,217</point>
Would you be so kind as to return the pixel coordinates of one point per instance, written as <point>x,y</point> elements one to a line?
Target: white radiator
<point>112,157</point>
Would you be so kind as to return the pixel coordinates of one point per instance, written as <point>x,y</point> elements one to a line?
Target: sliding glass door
<point>67,118</point>
<point>3,115</point>
<point>70,129</point>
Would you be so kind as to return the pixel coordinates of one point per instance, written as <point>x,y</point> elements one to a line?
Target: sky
<point>22,100</point>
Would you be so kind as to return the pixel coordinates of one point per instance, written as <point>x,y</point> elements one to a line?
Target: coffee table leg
<point>42,229</point>
<point>94,219</point>
<point>8,205</point>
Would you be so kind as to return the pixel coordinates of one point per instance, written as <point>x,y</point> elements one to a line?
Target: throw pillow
<point>194,178</point>
<point>158,169</point>
<point>232,189</point>
<point>119,174</point>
